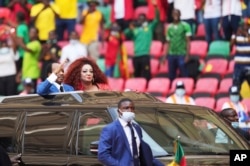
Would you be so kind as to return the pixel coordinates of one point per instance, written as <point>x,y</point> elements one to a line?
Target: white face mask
<point>235,98</point>
<point>128,116</point>
<point>73,41</point>
<point>145,24</point>
<point>4,50</point>
<point>235,124</point>
<point>180,92</point>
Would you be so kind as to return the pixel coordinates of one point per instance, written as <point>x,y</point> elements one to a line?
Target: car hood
<point>201,160</point>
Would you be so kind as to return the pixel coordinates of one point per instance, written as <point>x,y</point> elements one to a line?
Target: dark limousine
<point>63,129</point>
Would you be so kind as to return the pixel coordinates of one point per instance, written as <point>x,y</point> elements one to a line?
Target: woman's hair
<point>73,74</point>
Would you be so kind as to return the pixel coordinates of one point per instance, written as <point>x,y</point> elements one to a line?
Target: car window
<point>46,131</point>
<point>89,129</point>
<point>8,124</point>
<point>197,132</point>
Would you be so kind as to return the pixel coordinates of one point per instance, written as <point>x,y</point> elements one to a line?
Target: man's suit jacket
<point>114,149</point>
<point>45,88</point>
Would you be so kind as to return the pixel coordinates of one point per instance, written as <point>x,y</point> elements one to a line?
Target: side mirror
<point>94,147</point>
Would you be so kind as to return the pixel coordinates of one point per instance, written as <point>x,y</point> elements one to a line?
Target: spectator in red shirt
<point>17,6</point>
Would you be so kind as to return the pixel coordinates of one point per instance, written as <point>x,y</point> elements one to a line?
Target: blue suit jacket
<point>114,150</point>
<point>45,88</point>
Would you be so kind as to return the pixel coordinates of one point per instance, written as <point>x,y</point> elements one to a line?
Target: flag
<point>179,159</point>
<point>124,63</point>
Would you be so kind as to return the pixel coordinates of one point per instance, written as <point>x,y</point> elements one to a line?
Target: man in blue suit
<point>116,146</point>
<point>54,82</point>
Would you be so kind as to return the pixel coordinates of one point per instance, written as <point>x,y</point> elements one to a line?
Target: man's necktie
<point>61,89</point>
<point>134,145</point>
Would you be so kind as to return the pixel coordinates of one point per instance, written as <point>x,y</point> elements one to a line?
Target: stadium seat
<point>154,66</point>
<point>138,84</point>
<point>205,87</point>
<point>216,67</point>
<point>230,69</point>
<point>129,45</point>
<point>198,48</point>
<point>5,12</point>
<point>102,49</point>
<point>200,34</point>
<point>140,10</point>
<point>62,43</point>
<point>158,86</point>
<point>130,66</point>
<point>206,102</point>
<point>220,102</point>
<point>163,70</point>
<point>156,49</point>
<point>224,86</point>
<point>116,84</point>
<point>219,48</point>
<point>161,98</point>
<point>78,29</point>
<point>188,82</point>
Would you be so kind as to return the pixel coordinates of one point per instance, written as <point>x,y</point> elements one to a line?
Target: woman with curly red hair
<point>84,74</point>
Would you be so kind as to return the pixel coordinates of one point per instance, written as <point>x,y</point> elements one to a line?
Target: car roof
<point>79,97</point>
<point>94,99</point>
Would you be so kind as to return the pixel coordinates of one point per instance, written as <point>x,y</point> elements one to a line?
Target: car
<point>64,128</point>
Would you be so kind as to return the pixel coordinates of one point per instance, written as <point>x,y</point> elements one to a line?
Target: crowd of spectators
<point>38,32</point>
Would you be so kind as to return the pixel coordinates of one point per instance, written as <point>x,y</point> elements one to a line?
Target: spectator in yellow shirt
<point>92,22</point>
<point>67,19</point>
<point>44,15</point>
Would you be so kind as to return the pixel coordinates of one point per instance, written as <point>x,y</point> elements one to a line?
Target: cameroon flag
<point>179,159</point>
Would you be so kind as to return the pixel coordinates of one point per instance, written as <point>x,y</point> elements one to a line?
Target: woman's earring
<point>93,81</point>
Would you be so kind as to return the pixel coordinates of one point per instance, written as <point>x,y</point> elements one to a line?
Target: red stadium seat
<point>156,49</point>
<point>5,12</point>
<point>103,48</point>
<point>117,84</point>
<point>198,48</point>
<point>230,69</point>
<point>200,34</point>
<point>206,102</point>
<point>140,10</point>
<point>224,86</point>
<point>216,67</point>
<point>130,66</point>
<point>163,70</point>
<point>129,46</point>
<point>138,84</point>
<point>220,102</point>
<point>206,86</point>
<point>188,82</point>
<point>158,86</point>
<point>78,29</point>
<point>62,43</point>
<point>154,66</point>
<point>161,98</point>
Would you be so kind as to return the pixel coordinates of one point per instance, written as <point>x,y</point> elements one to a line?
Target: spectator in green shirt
<point>32,52</point>
<point>177,46</point>
<point>22,33</point>
<point>142,35</point>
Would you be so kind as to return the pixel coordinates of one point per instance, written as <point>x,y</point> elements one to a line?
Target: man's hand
<point>61,66</point>
<point>131,26</point>
<point>15,160</point>
<point>154,2</point>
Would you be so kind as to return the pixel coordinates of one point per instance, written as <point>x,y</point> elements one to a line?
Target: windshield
<point>200,131</point>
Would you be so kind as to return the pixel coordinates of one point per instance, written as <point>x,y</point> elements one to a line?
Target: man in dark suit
<point>121,142</point>
<point>54,82</point>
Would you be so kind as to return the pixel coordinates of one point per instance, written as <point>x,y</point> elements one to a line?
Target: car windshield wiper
<point>164,155</point>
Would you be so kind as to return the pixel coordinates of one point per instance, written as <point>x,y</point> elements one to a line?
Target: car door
<point>90,123</point>
<point>47,134</point>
